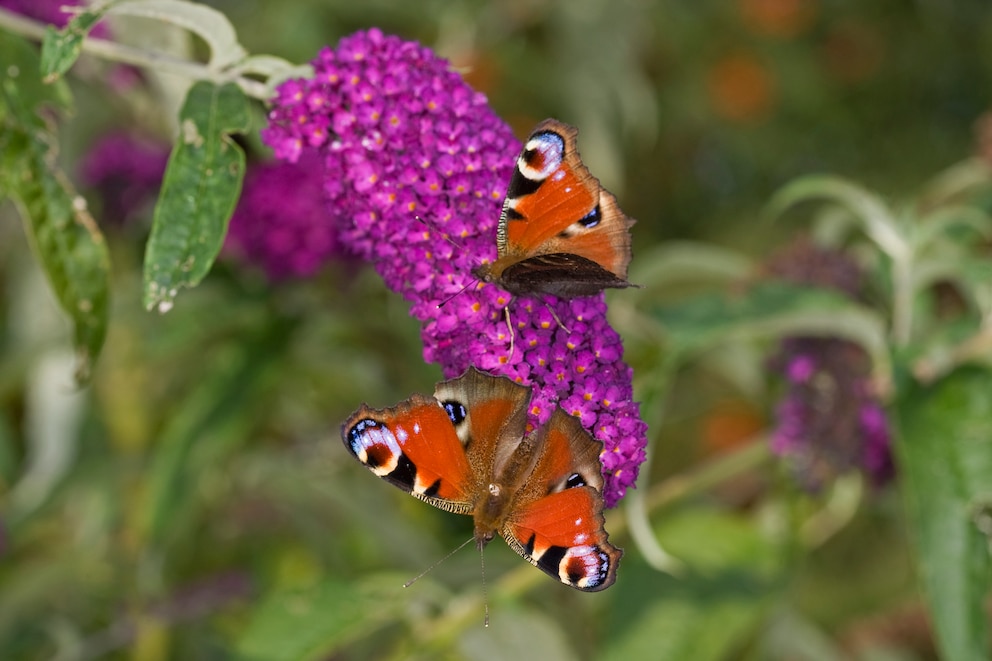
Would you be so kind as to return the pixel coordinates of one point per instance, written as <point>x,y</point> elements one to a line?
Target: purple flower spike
<point>50,11</point>
<point>416,165</point>
<point>829,420</point>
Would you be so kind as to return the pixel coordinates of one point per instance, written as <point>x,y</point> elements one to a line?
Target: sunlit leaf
<point>945,453</point>
<point>199,192</point>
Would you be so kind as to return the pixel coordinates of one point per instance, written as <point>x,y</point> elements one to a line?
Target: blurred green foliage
<point>193,501</point>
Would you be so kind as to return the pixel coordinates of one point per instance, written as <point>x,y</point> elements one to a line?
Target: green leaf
<point>66,239</point>
<point>302,624</point>
<point>945,457</point>
<point>687,262</point>
<point>208,23</point>
<point>878,220</point>
<point>208,423</point>
<point>61,48</point>
<point>772,310</point>
<point>514,635</point>
<point>199,192</point>
<point>704,613</point>
<point>22,81</point>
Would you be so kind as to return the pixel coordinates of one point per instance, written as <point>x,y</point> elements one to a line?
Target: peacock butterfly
<point>560,232</point>
<point>465,451</point>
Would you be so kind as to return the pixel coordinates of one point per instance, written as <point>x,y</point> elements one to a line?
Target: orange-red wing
<point>554,205</point>
<point>562,534</point>
<point>414,446</point>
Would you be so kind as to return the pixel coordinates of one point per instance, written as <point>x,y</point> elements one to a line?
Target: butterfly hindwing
<point>556,521</point>
<point>562,534</point>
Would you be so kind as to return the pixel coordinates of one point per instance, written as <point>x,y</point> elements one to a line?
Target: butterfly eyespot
<point>542,155</point>
<point>575,480</point>
<point>358,431</point>
<point>592,218</point>
<point>456,411</point>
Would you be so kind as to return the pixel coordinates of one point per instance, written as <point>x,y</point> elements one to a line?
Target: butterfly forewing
<point>495,417</point>
<point>415,447</point>
<point>555,207</point>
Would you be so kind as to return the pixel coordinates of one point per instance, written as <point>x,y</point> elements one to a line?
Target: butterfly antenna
<point>556,318</point>
<point>431,568</point>
<point>443,235</point>
<point>485,592</point>
<point>445,301</point>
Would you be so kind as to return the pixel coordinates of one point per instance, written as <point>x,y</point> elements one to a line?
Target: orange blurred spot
<point>729,426</point>
<point>852,52</point>
<point>480,71</point>
<point>778,18</point>
<point>741,88</point>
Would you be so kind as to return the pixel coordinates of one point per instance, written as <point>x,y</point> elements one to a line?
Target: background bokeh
<point>195,498</point>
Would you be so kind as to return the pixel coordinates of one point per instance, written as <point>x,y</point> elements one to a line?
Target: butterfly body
<point>466,451</point>
<point>560,232</point>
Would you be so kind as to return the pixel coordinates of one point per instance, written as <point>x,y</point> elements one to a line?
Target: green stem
<point>116,52</point>
<point>902,300</point>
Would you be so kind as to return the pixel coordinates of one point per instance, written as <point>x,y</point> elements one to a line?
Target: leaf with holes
<point>69,245</point>
<point>199,192</point>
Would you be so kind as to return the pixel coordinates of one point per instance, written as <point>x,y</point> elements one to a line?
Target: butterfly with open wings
<point>560,232</point>
<point>466,450</point>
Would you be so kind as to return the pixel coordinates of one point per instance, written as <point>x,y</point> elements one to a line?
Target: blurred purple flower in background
<point>829,420</point>
<point>403,138</point>
<point>126,172</point>
<point>281,223</point>
<point>50,11</point>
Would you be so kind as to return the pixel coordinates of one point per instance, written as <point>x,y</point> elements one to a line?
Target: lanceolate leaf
<point>772,310</point>
<point>65,237</point>
<point>200,189</point>
<point>945,453</point>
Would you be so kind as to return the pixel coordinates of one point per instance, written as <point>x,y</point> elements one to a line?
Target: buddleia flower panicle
<point>829,420</point>
<point>401,137</point>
